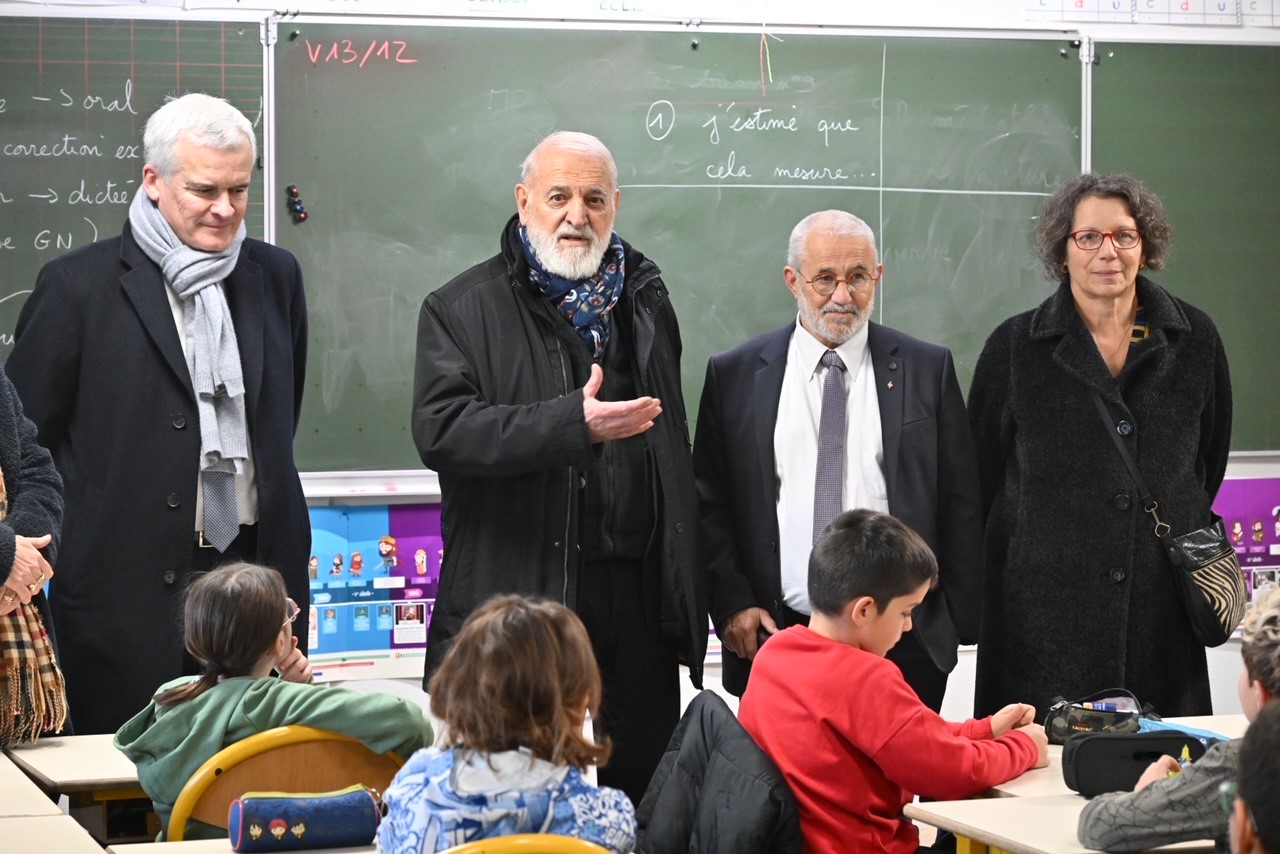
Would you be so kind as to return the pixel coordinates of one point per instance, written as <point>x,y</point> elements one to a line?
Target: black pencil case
<point>1098,762</point>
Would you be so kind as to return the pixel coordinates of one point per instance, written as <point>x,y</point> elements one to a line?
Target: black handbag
<point>1098,762</point>
<point>1205,566</point>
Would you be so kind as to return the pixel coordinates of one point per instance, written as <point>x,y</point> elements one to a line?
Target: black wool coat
<point>33,488</point>
<point>99,365</point>
<point>1079,595</point>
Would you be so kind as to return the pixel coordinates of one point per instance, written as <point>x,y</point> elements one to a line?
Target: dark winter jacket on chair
<point>716,792</point>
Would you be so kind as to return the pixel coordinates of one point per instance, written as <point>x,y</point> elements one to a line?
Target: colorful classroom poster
<point>1250,508</point>
<point>374,574</point>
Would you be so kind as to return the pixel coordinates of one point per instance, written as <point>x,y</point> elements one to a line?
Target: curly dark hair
<point>1054,227</point>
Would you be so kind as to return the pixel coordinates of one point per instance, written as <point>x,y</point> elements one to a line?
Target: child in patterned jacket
<point>512,694</point>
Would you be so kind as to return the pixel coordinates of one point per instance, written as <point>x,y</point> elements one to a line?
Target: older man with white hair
<point>835,412</point>
<point>547,396</point>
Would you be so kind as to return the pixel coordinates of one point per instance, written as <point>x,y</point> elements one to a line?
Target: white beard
<point>817,320</point>
<point>573,264</point>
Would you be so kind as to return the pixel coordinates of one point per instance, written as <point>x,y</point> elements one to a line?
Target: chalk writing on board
<point>743,122</point>
<point>826,128</point>
<point>661,120</point>
<point>75,95</point>
<point>348,52</point>
<point>123,104</point>
<point>502,100</point>
<point>38,138</point>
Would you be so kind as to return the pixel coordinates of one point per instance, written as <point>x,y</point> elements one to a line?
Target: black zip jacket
<point>497,413</point>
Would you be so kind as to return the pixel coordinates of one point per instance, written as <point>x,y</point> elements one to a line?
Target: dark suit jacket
<point>100,369</point>
<point>930,474</point>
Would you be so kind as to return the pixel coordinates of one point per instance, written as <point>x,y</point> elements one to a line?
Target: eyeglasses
<point>1089,239</point>
<point>825,284</point>
<point>291,611</point>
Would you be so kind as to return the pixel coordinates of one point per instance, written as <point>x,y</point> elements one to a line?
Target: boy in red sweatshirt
<point>853,740</point>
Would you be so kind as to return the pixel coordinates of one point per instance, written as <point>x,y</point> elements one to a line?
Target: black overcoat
<point>100,369</point>
<point>1079,595</point>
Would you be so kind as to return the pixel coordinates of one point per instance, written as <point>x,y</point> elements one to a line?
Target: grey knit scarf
<point>213,356</point>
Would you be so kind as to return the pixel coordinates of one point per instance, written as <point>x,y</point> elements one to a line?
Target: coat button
<point>179,422</point>
<point>556,544</point>
<point>170,577</point>
<point>679,527</point>
<point>173,501</point>
<point>1117,575</point>
<point>1122,501</point>
<point>893,366</point>
<point>1124,428</point>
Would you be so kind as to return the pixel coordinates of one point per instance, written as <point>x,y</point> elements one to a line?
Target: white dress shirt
<point>795,449</point>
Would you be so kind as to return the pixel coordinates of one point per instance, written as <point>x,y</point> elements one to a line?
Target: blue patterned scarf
<point>585,304</point>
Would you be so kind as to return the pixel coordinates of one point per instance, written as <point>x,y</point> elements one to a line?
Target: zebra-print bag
<point>1208,577</point>
<point>1205,567</point>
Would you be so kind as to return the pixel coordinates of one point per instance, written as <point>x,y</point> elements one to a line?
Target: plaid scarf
<point>32,696</point>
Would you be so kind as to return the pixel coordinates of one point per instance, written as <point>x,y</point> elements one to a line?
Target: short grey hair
<point>207,120</point>
<point>835,222</point>
<point>575,141</point>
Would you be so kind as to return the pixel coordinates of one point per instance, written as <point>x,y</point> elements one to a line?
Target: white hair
<point>834,222</point>
<point>208,120</point>
<point>575,141</point>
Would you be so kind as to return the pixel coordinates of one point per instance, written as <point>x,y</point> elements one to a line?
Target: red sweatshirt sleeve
<point>929,756</point>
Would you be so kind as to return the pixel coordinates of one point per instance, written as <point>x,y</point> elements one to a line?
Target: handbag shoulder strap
<point>1149,503</point>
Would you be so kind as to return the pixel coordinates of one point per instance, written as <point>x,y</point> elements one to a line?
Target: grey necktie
<point>828,484</point>
<point>221,515</point>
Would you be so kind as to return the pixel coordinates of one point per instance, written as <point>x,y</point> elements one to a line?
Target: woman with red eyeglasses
<point>1079,594</point>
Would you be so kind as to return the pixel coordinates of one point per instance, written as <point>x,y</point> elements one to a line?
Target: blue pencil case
<point>279,821</point>
<point>1207,737</point>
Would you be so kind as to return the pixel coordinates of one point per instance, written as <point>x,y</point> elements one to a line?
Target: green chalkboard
<point>405,141</point>
<point>75,94</point>
<point>1200,124</point>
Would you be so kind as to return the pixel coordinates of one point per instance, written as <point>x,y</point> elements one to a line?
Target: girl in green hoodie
<point>238,623</point>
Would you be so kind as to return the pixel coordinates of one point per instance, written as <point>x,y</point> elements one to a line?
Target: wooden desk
<point>1043,819</point>
<point>1043,825</point>
<point>77,763</point>
<point>100,782</point>
<point>212,846</point>
<point>58,833</point>
<point>1039,782</point>
<point>19,796</point>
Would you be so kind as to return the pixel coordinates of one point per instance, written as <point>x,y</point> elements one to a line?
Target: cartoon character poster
<point>374,575</point>
<point>1250,510</point>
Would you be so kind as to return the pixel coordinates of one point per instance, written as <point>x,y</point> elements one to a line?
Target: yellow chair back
<point>284,759</point>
